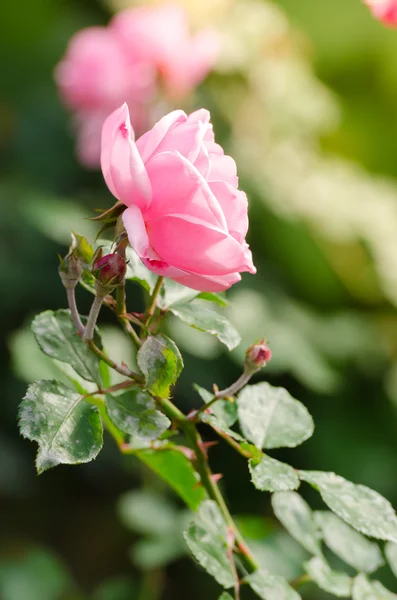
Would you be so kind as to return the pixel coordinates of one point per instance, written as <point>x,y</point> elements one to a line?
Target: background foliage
<point>305,97</point>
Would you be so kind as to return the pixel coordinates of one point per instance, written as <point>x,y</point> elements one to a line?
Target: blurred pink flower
<point>384,10</point>
<point>185,217</point>
<point>106,66</point>
<point>160,37</point>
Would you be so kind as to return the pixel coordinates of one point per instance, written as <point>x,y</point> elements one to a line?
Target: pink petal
<point>178,188</point>
<point>136,230</point>
<point>208,284</point>
<point>122,166</point>
<point>148,143</point>
<point>196,247</point>
<point>234,204</point>
<point>223,168</point>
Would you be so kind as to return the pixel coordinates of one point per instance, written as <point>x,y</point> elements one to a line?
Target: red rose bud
<point>70,271</point>
<point>258,355</point>
<point>109,270</point>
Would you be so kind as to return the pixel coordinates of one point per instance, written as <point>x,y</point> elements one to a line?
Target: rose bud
<point>70,270</point>
<point>109,270</point>
<point>257,355</point>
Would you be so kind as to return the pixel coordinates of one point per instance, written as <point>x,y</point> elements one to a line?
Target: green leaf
<point>271,418</point>
<point>218,299</point>
<point>336,583</point>
<point>177,471</point>
<point>270,475</point>
<point>159,551</point>
<point>67,428</point>
<point>56,335</point>
<point>225,596</point>
<point>206,540</point>
<point>207,320</point>
<point>362,508</point>
<point>224,412</point>
<point>363,589</point>
<point>271,587</point>
<point>135,413</point>
<point>136,271</point>
<point>161,362</point>
<point>146,512</point>
<point>35,574</point>
<point>297,517</point>
<point>117,588</point>
<point>347,543</point>
<point>391,555</point>
<point>81,248</point>
<point>173,293</point>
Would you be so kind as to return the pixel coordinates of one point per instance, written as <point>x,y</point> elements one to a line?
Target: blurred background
<point>304,96</point>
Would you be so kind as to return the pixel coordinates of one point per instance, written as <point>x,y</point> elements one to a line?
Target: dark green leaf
<point>135,413</point>
<point>347,543</point>
<point>209,321</point>
<point>161,362</point>
<point>359,506</point>
<point>177,471</point>
<point>271,418</point>
<point>271,587</point>
<point>270,475</point>
<point>364,589</point>
<point>67,428</point>
<point>296,516</point>
<point>336,583</point>
<point>56,335</point>
<point>206,540</point>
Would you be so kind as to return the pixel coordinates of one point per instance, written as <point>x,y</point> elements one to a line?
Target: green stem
<point>71,296</point>
<point>207,479</point>
<point>300,581</point>
<point>92,318</point>
<point>121,311</point>
<point>230,391</point>
<point>153,300</point>
<point>122,369</point>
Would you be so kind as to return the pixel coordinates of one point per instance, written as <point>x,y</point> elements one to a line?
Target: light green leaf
<point>270,475</point>
<point>271,587</point>
<point>224,412</point>
<point>347,543</point>
<point>297,517</point>
<point>218,299</point>
<point>334,582</point>
<point>271,418</point>
<point>159,551</point>
<point>173,293</point>
<point>146,512</point>
<point>364,589</point>
<point>67,428</point>
<point>161,362</point>
<point>391,555</point>
<point>81,248</point>
<point>205,319</point>
<point>362,508</point>
<point>177,471</point>
<point>225,596</point>
<point>56,335</point>
<point>135,413</point>
<point>206,540</point>
<point>136,271</point>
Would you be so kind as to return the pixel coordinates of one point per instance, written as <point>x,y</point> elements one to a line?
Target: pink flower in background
<point>384,10</point>
<point>160,37</point>
<point>106,66</point>
<point>185,217</point>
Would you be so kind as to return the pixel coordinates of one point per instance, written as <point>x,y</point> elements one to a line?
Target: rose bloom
<point>160,37</point>
<point>384,10</point>
<point>185,217</point>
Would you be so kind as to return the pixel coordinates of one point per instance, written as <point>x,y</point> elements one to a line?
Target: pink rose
<point>185,217</point>
<point>159,36</point>
<point>384,10</point>
<point>95,77</point>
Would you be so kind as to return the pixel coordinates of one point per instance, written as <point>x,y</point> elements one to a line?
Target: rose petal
<point>148,143</point>
<point>122,166</point>
<point>234,204</point>
<point>178,188</point>
<point>223,168</point>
